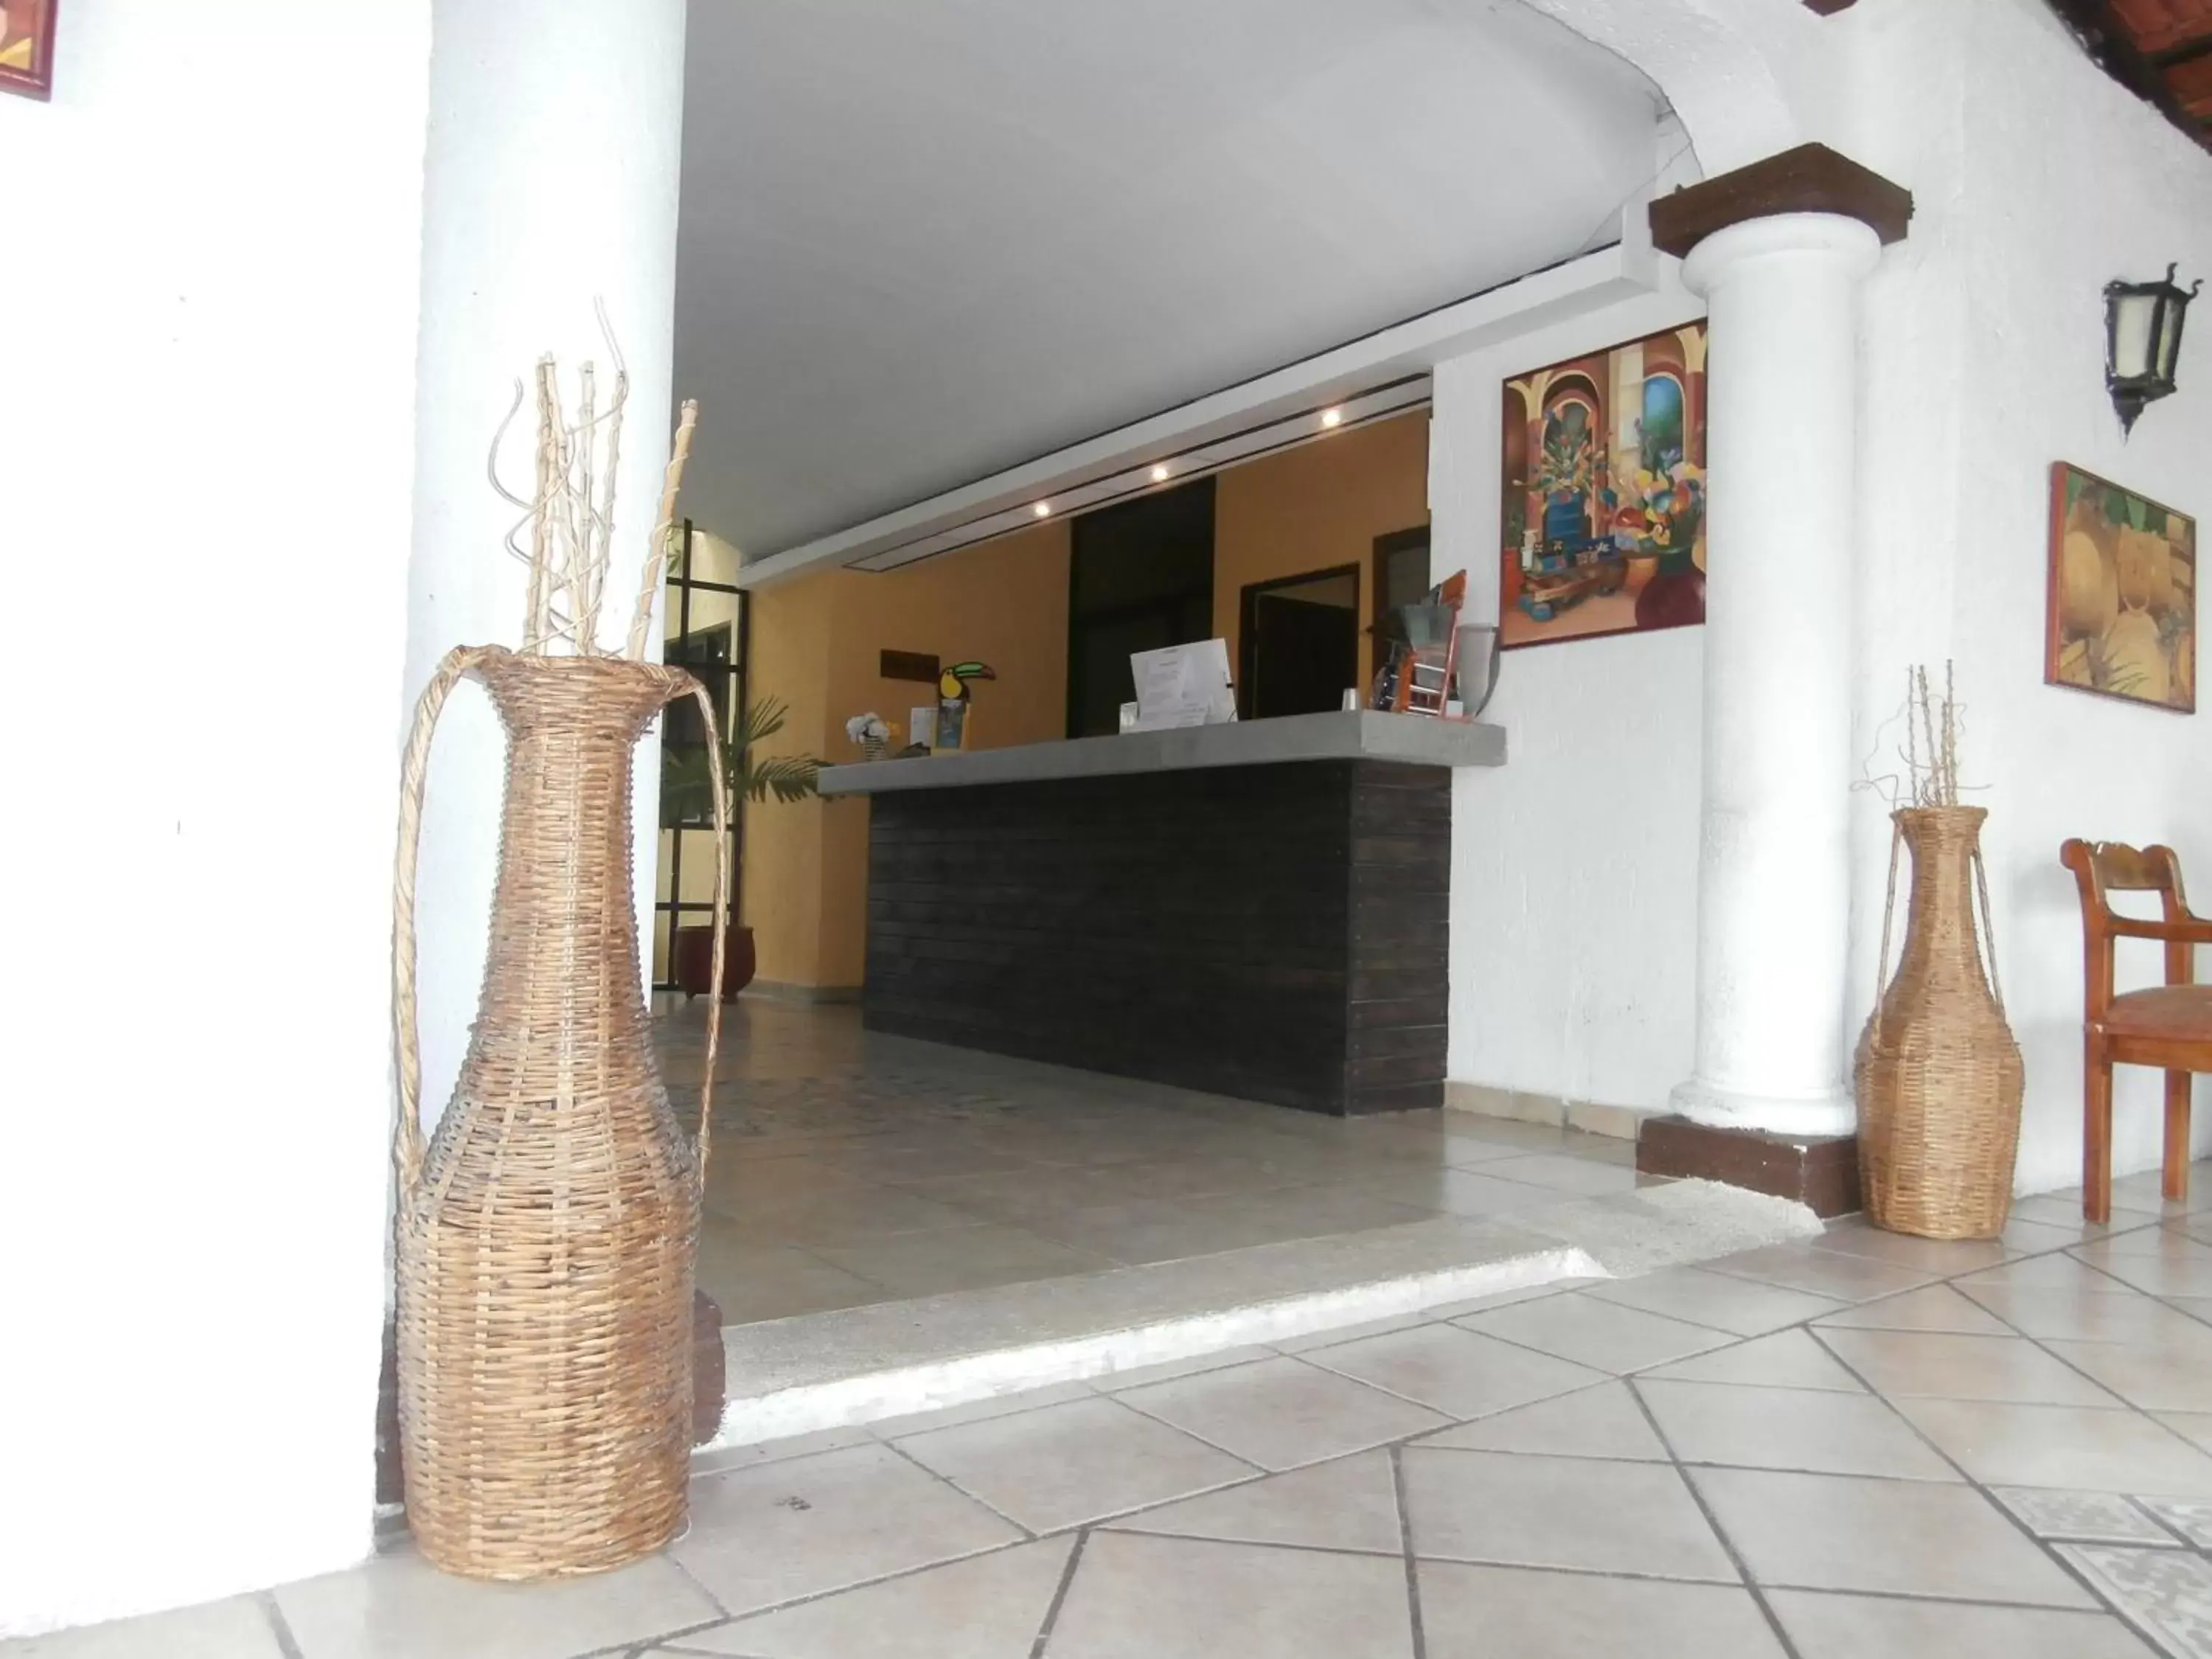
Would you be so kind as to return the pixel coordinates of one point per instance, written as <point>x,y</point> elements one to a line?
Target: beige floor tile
<point>1139,1597</point>
<point>2056,1272</point>
<point>233,1629</point>
<point>1827,1626</point>
<point>843,1215</point>
<point>1475,1612</point>
<point>1602,1336</point>
<point>978,1411</point>
<point>961,1259</point>
<point>1900,1537</point>
<point>751,1281</point>
<point>763,1536</point>
<point>2009,1445</point>
<point>2167,1376</point>
<point>1342,1333</point>
<point>2145,1191</point>
<point>988,1607</point>
<point>1789,1429</point>
<point>1350,1503</point>
<point>1165,1370</point>
<point>2072,1313</point>
<point>1455,1372</point>
<point>2160,1275</point>
<point>1743,1307</point>
<point>776,1451</point>
<point>1514,1510</point>
<point>1937,1365</point>
<point>1507,1298</point>
<point>2025,1237</point>
<point>1460,1192</point>
<point>1074,1462</point>
<point>1282,1412</point>
<point>1600,1422</point>
<point>1936,1308</point>
<point>1821,1272</point>
<point>1584,1178</point>
<point>2166,1243</point>
<point>2053,1210</point>
<point>2195,1427</point>
<point>1787,1360</point>
<point>1940,1257</point>
<point>400,1604</point>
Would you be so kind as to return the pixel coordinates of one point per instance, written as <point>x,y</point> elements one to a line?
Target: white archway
<point>1743,76</point>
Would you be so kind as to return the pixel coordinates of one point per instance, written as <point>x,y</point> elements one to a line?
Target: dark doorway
<point>1401,570</point>
<point>1299,643</point>
<point>1140,576</point>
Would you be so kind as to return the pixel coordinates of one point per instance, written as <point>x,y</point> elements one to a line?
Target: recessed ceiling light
<point>1160,473</point>
<point>1042,509</point>
<point>1332,417</point>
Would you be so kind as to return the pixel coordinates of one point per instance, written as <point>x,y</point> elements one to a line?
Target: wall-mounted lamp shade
<point>2143,342</point>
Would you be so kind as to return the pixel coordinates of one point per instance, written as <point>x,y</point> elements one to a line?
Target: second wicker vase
<point>546,1234</point>
<point>1939,1077</point>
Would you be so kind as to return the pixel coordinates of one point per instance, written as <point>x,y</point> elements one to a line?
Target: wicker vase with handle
<point>1939,1074</point>
<point>547,1234</point>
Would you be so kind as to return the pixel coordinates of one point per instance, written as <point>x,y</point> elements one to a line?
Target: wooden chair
<point>2168,1026</point>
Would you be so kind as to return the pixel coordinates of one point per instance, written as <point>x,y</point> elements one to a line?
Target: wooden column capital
<point>1810,178</point>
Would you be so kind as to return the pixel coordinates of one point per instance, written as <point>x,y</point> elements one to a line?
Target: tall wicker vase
<point>1939,1074</point>
<point>547,1234</point>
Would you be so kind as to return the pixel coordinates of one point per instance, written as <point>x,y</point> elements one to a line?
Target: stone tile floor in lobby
<point>850,1168</point>
<point>1854,1448</point>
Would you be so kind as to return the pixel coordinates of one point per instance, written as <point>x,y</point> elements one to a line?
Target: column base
<point>1819,1172</point>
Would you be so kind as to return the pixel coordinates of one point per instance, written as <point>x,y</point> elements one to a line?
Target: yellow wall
<point>1315,507</point>
<point>816,646</point>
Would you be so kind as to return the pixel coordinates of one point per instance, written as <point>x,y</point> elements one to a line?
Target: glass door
<point>705,632</point>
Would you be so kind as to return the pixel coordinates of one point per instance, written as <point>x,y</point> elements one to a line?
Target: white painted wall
<point>2036,180</point>
<point>205,412</point>
<point>1985,352</point>
<point>552,182</point>
<point>1574,864</point>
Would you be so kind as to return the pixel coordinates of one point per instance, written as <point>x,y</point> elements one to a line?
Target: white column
<point>549,182</point>
<point>1774,872</point>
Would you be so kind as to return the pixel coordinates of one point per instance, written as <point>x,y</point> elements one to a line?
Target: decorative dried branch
<point>571,511</point>
<point>656,558</point>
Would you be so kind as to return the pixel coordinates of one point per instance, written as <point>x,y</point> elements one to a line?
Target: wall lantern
<point>2142,341</point>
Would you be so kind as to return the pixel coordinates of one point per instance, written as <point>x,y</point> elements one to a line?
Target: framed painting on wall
<point>26,46</point>
<point>1604,493</point>
<point>2122,615</point>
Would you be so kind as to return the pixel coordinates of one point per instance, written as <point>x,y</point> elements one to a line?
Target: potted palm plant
<point>687,799</point>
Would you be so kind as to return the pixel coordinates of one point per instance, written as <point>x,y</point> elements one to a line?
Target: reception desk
<point>1259,909</point>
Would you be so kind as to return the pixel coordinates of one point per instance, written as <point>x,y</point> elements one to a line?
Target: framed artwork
<point>1604,493</point>
<point>26,46</point>
<point>2122,618</point>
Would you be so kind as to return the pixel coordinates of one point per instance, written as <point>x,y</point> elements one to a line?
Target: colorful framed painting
<point>1603,526</point>
<point>26,46</point>
<point>2122,615</point>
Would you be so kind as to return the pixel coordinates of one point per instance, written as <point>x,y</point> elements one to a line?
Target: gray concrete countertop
<point>1409,739</point>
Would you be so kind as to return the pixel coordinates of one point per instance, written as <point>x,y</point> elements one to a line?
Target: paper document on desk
<point>1183,685</point>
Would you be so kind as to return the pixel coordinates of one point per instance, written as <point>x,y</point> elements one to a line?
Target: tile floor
<point>1857,1447</point>
<point>849,1168</point>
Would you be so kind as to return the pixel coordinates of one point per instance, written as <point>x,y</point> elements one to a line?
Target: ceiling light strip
<point>1307,426</point>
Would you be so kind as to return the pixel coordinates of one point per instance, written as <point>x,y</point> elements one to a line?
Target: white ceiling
<point>924,239</point>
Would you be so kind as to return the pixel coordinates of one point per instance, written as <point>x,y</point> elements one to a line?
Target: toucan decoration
<point>952,683</point>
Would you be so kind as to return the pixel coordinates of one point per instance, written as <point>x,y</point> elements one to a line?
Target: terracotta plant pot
<point>691,959</point>
<point>1642,567</point>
